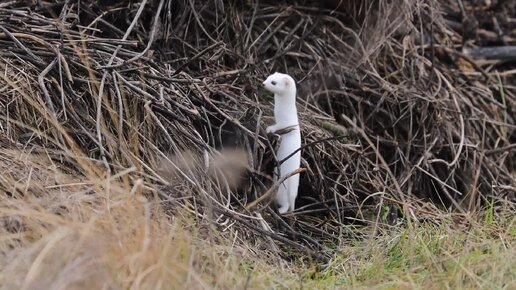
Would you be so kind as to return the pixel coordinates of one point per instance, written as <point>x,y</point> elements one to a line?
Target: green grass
<point>451,256</point>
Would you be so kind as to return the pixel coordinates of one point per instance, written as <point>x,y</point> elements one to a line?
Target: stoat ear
<point>286,81</point>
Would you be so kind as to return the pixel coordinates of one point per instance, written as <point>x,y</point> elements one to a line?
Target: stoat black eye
<point>273,83</point>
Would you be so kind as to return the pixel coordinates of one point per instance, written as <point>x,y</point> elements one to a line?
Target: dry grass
<point>58,235</point>
<point>119,170</point>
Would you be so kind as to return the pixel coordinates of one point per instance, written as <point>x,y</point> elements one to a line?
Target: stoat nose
<point>263,84</point>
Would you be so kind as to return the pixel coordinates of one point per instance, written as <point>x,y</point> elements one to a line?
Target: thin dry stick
<point>41,81</point>
<point>273,188</point>
<point>309,145</point>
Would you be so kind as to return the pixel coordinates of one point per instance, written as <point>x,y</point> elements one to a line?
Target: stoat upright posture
<point>285,113</point>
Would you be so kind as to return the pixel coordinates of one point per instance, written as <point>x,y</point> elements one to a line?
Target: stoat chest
<point>285,111</point>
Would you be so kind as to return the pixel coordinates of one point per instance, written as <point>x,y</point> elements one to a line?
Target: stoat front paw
<point>270,129</point>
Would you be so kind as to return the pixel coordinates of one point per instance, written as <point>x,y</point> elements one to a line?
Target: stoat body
<point>285,114</point>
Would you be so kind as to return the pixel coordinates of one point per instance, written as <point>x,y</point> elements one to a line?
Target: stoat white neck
<point>285,111</point>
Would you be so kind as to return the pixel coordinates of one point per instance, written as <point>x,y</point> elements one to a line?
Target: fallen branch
<point>494,52</point>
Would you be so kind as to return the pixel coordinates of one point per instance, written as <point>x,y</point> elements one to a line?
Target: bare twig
<point>273,188</point>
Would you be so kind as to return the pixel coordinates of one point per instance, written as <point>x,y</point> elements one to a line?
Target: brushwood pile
<point>407,108</point>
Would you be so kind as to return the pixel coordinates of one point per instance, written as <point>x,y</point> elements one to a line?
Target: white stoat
<point>285,113</point>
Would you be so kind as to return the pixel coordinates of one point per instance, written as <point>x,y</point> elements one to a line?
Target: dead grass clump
<point>66,237</point>
<point>394,115</point>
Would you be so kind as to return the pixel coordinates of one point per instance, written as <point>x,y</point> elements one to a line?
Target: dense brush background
<point>132,144</point>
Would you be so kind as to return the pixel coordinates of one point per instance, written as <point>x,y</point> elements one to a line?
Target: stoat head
<point>280,84</point>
